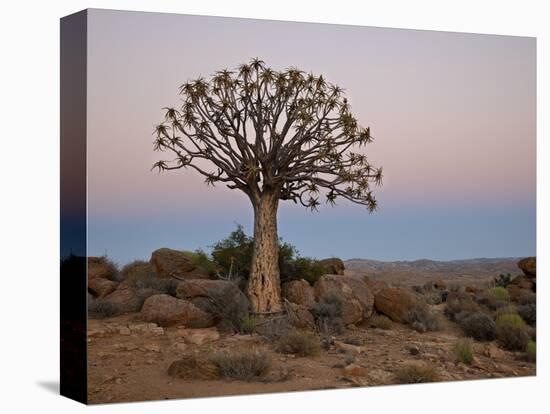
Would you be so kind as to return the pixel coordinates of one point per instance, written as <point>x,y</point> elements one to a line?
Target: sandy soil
<point>129,362</point>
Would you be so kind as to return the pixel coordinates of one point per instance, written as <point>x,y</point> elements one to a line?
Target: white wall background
<point>29,158</point>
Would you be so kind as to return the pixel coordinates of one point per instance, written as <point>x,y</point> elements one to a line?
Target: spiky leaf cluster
<point>260,130</point>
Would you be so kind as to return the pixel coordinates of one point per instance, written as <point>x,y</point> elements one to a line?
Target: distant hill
<point>472,271</point>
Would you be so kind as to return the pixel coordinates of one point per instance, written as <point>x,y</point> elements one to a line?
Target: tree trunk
<point>264,288</point>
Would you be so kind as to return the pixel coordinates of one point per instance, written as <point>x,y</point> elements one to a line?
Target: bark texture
<point>264,289</point>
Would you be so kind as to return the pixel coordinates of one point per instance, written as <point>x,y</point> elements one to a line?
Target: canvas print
<point>254,206</point>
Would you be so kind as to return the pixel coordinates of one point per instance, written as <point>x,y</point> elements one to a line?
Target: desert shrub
<point>415,374</point>
<point>232,256</point>
<point>512,332</point>
<point>477,325</point>
<point>380,322</point>
<point>434,297</point>
<point>273,328</point>
<point>103,308</point>
<point>527,298</point>
<point>455,307</point>
<point>422,319</point>
<point>200,259</point>
<point>243,364</point>
<point>528,313</point>
<point>308,269</point>
<point>229,310</point>
<point>140,276</point>
<point>531,351</point>
<point>111,270</point>
<point>499,293</point>
<point>328,315</point>
<point>503,280</point>
<point>506,310</point>
<point>300,343</point>
<point>248,324</point>
<point>463,351</point>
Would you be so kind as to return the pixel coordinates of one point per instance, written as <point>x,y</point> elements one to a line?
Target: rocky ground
<point>165,329</point>
<point>129,359</point>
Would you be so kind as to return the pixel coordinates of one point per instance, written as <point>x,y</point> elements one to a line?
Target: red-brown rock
<point>167,263</point>
<point>354,293</point>
<point>166,310</point>
<point>528,266</point>
<point>333,266</point>
<point>126,298</point>
<point>299,292</point>
<point>395,303</point>
<point>101,287</point>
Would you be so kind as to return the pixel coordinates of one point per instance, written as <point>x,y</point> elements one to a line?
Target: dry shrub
<point>477,325</point>
<point>111,270</point>
<point>506,310</point>
<point>462,306</point>
<point>300,343</point>
<point>512,332</point>
<point>415,374</point>
<point>528,313</point>
<point>531,351</point>
<point>380,322</point>
<point>103,308</point>
<point>328,315</point>
<point>140,276</point>
<point>463,351</point>
<point>527,298</point>
<point>243,364</point>
<point>422,319</point>
<point>194,367</point>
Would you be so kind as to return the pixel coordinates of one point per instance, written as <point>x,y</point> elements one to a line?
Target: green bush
<point>415,374</point>
<point>506,310</point>
<point>528,313</point>
<point>463,351</point>
<point>477,325</point>
<point>200,259</point>
<point>499,293</point>
<point>380,322</point>
<point>300,343</point>
<point>244,364</point>
<point>531,351</point>
<point>233,256</point>
<point>248,324</point>
<point>308,269</point>
<point>512,332</point>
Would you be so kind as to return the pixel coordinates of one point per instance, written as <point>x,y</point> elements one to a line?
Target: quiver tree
<point>275,136</point>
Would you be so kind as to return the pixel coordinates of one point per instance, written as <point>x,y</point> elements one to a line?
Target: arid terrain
<point>173,343</point>
<point>470,272</point>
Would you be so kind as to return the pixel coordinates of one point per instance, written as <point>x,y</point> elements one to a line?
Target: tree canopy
<point>259,130</point>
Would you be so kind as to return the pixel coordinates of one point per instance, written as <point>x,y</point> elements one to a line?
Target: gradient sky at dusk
<point>453,117</point>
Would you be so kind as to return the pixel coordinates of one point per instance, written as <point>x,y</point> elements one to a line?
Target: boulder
<point>375,285</point>
<point>299,292</point>
<point>126,298</point>
<point>395,303</point>
<point>523,282</point>
<point>299,316</point>
<point>101,287</point>
<point>516,292</point>
<point>354,293</point>
<point>167,263</point>
<point>333,266</point>
<point>528,266</point>
<point>100,267</point>
<point>166,310</point>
